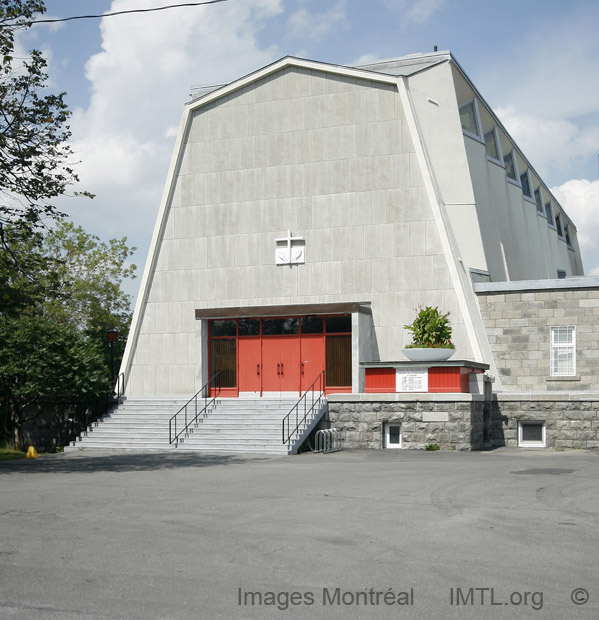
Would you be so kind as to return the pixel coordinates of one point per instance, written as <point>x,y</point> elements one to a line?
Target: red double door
<point>280,363</point>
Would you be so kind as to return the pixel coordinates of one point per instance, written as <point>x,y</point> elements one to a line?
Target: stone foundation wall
<point>568,423</point>
<point>451,424</point>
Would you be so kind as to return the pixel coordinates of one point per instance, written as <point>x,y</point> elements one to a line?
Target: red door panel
<point>289,352</point>
<point>271,365</point>
<point>250,365</point>
<point>312,359</point>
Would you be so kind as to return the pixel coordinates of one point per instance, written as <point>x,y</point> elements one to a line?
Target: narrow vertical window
<point>549,213</point>
<point>539,200</point>
<point>492,145</point>
<point>469,119</point>
<point>525,182</point>
<point>567,235</point>
<point>563,351</point>
<point>558,225</point>
<point>510,167</point>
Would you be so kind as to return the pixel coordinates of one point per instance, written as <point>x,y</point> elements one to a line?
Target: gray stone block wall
<point>518,327</point>
<point>569,424</point>
<point>449,424</point>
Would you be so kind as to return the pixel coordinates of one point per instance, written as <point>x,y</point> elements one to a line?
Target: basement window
<point>393,438</point>
<point>531,434</point>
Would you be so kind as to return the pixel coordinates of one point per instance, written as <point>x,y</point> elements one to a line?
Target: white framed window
<point>567,235</point>
<point>539,201</point>
<point>531,434</point>
<point>526,184</point>
<point>493,146</point>
<point>511,167</point>
<point>549,214</point>
<point>393,437</point>
<point>470,119</point>
<point>563,351</point>
<point>558,226</point>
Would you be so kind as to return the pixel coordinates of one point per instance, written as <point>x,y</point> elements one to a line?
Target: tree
<point>43,359</point>
<point>54,312</point>
<point>35,158</point>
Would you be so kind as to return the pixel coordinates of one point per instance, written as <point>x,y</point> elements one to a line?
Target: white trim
<point>386,437</point>
<point>532,444</point>
<point>161,219</point>
<point>443,226</point>
<point>284,63</point>
<point>556,346</point>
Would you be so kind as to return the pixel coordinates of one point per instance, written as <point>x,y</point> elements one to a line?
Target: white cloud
<point>549,143</point>
<point>365,58</point>
<point>315,25</point>
<point>139,84</point>
<point>580,199</point>
<point>414,11</point>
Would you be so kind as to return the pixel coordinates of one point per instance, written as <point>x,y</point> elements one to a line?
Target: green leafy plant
<point>431,447</point>
<point>430,328</point>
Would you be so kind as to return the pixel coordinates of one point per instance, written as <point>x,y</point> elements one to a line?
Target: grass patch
<point>9,454</point>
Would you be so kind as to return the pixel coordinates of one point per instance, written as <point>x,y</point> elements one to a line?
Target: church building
<point>310,209</point>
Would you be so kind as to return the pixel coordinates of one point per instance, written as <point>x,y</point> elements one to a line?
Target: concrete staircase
<point>232,425</point>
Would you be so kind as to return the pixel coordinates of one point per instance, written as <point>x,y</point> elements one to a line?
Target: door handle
<point>302,368</point>
<point>282,369</point>
<point>278,369</point>
<point>257,369</point>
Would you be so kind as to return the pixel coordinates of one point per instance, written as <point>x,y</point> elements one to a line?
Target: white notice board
<point>411,380</point>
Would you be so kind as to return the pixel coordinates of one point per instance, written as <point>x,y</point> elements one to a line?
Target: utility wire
<point>159,8</point>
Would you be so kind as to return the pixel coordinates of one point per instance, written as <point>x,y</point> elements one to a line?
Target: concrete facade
<point>400,202</point>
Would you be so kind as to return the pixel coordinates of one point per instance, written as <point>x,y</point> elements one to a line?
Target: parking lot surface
<point>355,534</point>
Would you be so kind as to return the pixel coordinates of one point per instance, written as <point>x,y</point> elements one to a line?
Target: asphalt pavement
<point>356,534</point>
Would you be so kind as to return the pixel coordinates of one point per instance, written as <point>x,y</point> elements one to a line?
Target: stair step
<point>239,425</point>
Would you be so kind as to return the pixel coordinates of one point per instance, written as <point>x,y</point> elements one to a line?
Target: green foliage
<point>430,328</point>
<point>86,276</point>
<point>58,296</point>
<point>431,447</point>
<point>35,158</point>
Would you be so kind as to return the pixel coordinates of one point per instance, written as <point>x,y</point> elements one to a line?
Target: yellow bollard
<point>32,453</point>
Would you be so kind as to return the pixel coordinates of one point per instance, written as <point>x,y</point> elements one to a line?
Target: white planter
<point>429,354</point>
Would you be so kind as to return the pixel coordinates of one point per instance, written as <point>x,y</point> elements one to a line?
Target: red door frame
<point>300,371</point>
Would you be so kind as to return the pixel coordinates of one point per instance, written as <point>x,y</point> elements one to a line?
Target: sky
<point>128,77</point>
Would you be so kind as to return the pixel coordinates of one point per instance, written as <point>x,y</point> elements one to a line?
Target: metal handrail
<point>287,419</point>
<point>120,386</point>
<point>173,435</point>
